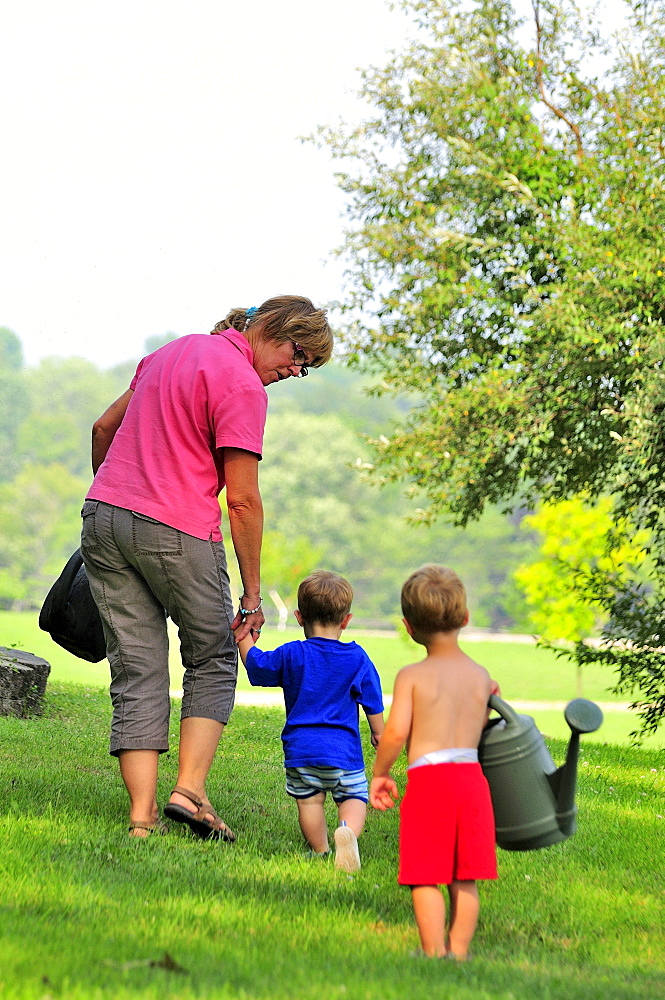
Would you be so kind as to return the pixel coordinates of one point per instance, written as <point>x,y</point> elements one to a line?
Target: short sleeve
<point>239,419</point>
<point>265,668</point>
<point>132,384</point>
<point>370,695</point>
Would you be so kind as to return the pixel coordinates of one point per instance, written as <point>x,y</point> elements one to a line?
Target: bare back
<point>449,693</point>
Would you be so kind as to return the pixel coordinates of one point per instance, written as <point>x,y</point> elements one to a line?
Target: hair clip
<point>250,312</point>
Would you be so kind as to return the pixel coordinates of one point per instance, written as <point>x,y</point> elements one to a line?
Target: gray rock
<point>23,679</point>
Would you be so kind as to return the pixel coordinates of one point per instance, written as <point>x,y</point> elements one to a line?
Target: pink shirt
<point>193,396</point>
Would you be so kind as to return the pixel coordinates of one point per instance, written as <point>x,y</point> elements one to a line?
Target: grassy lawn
<point>525,672</point>
<point>87,913</point>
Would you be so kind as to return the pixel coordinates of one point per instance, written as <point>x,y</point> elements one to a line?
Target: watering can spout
<point>583,717</point>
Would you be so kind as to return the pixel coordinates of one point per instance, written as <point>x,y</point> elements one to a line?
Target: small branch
<point>541,86</point>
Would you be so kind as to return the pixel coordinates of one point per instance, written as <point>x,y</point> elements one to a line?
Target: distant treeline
<point>319,510</point>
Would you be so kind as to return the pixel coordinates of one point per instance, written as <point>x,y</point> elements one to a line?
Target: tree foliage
<point>46,415</point>
<point>634,635</point>
<point>318,511</point>
<point>312,492</point>
<point>66,395</point>
<point>574,542</point>
<point>514,264</point>
<point>12,400</point>
<point>506,260</point>
<point>39,527</point>
<point>11,350</point>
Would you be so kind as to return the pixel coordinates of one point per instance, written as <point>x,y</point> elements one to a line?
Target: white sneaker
<point>346,849</point>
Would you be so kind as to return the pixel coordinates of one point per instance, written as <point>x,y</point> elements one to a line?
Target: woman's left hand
<point>242,624</point>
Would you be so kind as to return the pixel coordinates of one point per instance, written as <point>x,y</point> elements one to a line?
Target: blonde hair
<point>286,317</point>
<point>434,600</point>
<point>324,597</point>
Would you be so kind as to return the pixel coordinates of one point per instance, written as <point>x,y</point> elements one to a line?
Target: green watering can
<point>533,800</point>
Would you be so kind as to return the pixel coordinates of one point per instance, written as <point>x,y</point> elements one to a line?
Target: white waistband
<point>451,755</point>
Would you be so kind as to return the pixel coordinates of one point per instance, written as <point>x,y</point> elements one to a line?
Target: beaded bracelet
<point>245,611</point>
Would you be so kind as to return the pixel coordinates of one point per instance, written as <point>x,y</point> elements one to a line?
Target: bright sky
<point>152,172</point>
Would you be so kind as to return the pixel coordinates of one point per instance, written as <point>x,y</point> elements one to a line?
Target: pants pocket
<point>152,537</point>
<point>89,538</point>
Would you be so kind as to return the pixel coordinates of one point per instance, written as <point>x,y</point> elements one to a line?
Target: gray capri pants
<point>140,571</point>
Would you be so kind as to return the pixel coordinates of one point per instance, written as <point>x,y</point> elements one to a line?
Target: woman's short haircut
<point>434,600</point>
<point>324,597</point>
<point>287,317</point>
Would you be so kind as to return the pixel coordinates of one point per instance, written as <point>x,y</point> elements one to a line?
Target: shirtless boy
<point>439,710</point>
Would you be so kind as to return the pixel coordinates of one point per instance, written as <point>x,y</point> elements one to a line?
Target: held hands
<point>244,624</point>
<point>383,792</point>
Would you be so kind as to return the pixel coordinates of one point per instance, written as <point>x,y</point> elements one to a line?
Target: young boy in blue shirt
<point>324,682</point>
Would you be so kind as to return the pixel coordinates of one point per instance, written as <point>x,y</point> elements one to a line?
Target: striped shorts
<point>303,782</point>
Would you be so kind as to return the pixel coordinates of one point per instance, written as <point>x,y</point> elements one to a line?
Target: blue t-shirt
<point>324,682</point>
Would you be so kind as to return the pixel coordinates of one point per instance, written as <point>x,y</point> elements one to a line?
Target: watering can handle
<point>508,714</point>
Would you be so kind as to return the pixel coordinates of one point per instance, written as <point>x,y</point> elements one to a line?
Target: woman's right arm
<point>104,429</point>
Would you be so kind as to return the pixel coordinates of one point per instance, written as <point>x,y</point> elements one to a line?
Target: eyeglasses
<point>299,359</point>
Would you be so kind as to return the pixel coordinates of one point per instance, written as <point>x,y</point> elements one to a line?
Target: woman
<point>190,424</point>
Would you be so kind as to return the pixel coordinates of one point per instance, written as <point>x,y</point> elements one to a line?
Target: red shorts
<point>446,829</point>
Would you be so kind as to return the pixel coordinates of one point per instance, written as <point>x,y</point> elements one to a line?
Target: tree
<point>506,260</point>
<point>634,635</point>
<point>40,527</point>
<point>285,561</point>
<point>66,395</point>
<point>11,350</point>
<point>573,539</point>
<point>318,512</point>
<point>158,340</point>
<point>345,392</point>
<point>314,497</point>
<point>575,543</point>
<point>311,491</point>
<point>13,400</point>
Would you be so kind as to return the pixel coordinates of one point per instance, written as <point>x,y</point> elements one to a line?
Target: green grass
<point>525,672</point>
<point>87,913</point>
<point>21,630</point>
<point>616,728</point>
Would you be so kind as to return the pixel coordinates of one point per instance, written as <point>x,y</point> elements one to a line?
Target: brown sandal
<point>205,822</point>
<point>157,827</point>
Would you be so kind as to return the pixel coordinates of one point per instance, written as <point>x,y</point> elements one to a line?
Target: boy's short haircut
<point>324,597</point>
<point>434,600</point>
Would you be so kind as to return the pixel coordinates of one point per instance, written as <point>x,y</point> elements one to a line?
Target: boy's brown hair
<point>434,600</point>
<point>324,597</point>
